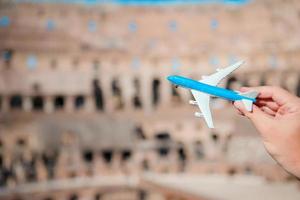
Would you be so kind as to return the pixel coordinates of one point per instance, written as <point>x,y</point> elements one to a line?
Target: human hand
<point>276,115</point>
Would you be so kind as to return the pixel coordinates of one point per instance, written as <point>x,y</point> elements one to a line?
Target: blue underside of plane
<point>212,90</point>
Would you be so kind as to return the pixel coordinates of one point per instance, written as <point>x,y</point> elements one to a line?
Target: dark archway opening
<point>155,92</point>
<point>182,156</point>
<point>49,159</point>
<point>163,140</point>
<point>175,95</point>
<point>37,103</point>
<point>29,167</point>
<point>126,155</point>
<point>215,137</point>
<point>98,196</point>
<point>137,103</point>
<point>232,171</point>
<point>199,150</point>
<point>139,132</point>
<point>98,96</point>
<point>107,155</point>
<point>263,80</point>
<point>7,57</point>
<point>88,156</point>
<point>21,142</point>
<point>145,165</point>
<point>73,197</point>
<point>248,170</point>
<point>59,102</point>
<point>142,194</point>
<point>16,102</point>
<point>79,101</point>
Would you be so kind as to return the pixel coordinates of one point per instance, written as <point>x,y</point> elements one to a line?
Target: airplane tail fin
<point>248,103</point>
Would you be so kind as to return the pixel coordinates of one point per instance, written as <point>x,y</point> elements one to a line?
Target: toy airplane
<point>207,86</point>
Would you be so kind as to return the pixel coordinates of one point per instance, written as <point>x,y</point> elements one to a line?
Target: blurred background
<point>86,111</point>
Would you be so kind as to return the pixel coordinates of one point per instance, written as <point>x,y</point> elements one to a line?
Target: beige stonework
<point>91,112</point>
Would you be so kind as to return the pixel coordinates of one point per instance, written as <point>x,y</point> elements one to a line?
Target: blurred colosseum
<point>87,113</point>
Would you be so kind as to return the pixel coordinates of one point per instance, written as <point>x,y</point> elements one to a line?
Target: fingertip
<point>238,105</point>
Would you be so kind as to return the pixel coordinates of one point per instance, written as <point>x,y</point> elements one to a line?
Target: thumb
<point>261,120</point>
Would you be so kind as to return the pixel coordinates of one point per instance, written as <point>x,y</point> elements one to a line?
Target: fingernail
<point>238,104</point>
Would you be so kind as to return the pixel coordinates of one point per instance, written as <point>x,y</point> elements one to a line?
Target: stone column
<point>89,104</point>
<point>116,162</point>
<point>69,104</point>
<point>27,105</point>
<point>146,94</point>
<point>99,165</point>
<point>48,107</point>
<point>41,170</point>
<point>5,104</point>
<point>127,91</point>
<point>137,161</point>
<point>19,172</point>
<point>107,93</point>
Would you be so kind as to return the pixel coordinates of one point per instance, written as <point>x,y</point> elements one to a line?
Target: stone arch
<point>176,97</point>
<point>182,155</point>
<point>73,197</point>
<point>163,138</point>
<point>59,102</point>
<point>136,101</point>
<point>199,149</point>
<point>108,155</point>
<point>98,95</point>
<point>139,133</point>
<point>16,102</point>
<point>98,196</point>
<point>117,93</point>
<point>156,84</point>
<point>37,103</point>
<point>79,101</point>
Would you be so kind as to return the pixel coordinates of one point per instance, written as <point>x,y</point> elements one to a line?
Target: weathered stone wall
<point>69,64</point>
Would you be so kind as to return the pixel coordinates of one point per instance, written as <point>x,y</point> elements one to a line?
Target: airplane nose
<point>170,78</point>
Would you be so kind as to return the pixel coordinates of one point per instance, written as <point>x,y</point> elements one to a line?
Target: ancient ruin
<point>86,110</point>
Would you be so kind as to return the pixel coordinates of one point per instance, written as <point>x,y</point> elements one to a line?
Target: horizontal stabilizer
<point>193,102</point>
<point>248,104</point>
<point>197,114</point>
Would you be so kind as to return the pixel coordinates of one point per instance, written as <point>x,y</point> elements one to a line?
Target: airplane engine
<point>193,102</point>
<point>197,114</point>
